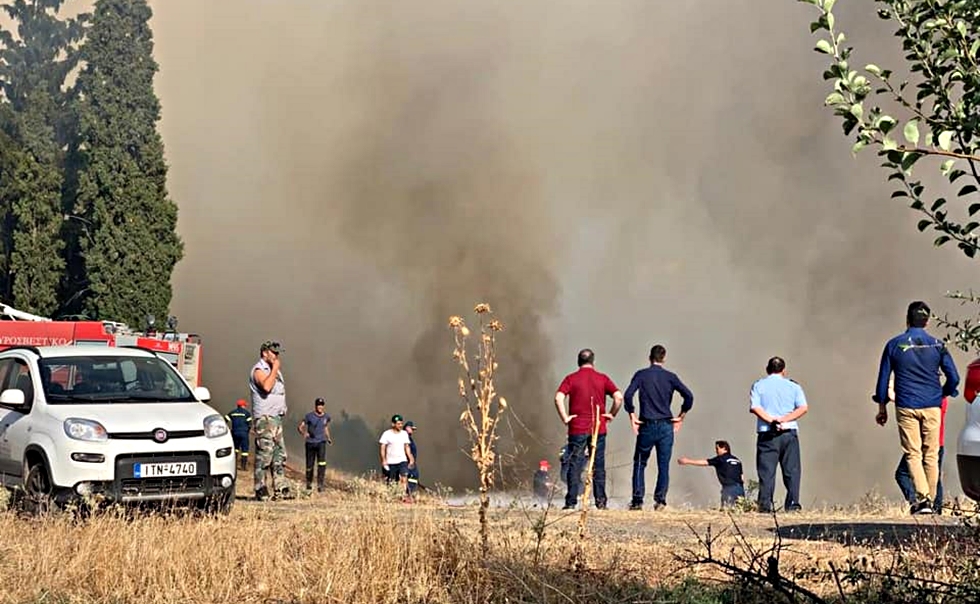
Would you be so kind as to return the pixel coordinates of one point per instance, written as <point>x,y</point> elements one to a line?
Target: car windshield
<point>111,379</point>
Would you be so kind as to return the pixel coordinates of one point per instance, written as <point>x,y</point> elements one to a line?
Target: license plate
<point>157,470</point>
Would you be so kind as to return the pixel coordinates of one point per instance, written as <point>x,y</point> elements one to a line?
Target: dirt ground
<point>670,528</point>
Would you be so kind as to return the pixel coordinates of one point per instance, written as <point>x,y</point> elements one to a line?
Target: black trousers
<point>316,454</point>
<point>782,448</point>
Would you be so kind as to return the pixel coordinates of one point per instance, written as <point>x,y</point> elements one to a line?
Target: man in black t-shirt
<point>729,471</point>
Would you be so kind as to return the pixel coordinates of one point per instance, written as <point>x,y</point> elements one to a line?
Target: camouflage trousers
<point>270,452</point>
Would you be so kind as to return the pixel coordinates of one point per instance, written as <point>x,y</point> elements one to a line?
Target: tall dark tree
<point>33,70</point>
<point>127,240</point>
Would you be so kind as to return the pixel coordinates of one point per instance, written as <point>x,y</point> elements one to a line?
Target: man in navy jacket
<point>654,424</point>
<point>916,358</point>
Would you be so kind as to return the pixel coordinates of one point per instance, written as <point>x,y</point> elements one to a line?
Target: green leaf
<point>830,19</point>
<point>967,190</point>
<point>938,204</point>
<point>974,208</point>
<point>924,224</point>
<point>895,157</point>
<point>889,144</point>
<point>824,47</point>
<point>873,69</point>
<point>886,123</point>
<point>974,48</point>
<point>834,98</point>
<point>909,159</point>
<point>947,166</point>
<point>961,27</point>
<point>857,110</point>
<point>828,5</point>
<point>940,240</point>
<point>899,193</point>
<point>911,131</point>
<point>858,146</point>
<point>945,138</point>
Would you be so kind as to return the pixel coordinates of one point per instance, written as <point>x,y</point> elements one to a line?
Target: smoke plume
<point>609,175</point>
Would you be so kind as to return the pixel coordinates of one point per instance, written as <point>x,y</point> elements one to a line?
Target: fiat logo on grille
<point>160,435</point>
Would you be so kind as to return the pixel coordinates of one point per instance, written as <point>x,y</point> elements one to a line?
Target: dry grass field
<point>359,543</point>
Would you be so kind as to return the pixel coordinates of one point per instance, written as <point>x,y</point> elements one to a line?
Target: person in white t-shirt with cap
<point>396,452</point>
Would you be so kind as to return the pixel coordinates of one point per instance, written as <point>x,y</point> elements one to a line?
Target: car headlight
<point>215,426</point>
<point>85,429</point>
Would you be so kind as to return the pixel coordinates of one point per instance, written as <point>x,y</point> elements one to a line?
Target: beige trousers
<point>918,430</point>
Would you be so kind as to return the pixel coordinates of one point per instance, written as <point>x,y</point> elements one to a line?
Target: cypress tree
<point>127,243</point>
<point>33,68</point>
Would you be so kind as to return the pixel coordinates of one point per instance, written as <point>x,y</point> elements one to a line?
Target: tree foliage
<point>34,66</point>
<point>924,115</point>
<point>126,223</point>
<point>937,104</point>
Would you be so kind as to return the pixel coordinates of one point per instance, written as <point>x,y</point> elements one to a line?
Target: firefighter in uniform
<point>240,421</point>
<point>413,470</point>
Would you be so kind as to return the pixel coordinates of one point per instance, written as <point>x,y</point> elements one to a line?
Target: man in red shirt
<point>586,390</point>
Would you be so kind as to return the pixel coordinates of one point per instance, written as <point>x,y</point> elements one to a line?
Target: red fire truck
<point>182,350</point>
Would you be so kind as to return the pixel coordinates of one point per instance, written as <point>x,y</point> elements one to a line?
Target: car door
<point>17,432</point>
<point>8,416</point>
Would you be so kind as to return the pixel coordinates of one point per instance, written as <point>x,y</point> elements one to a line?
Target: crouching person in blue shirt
<point>729,471</point>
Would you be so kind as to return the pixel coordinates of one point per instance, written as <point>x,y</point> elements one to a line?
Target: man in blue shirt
<point>315,428</point>
<point>777,402</point>
<point>655,424</point>
<point>916,358</point>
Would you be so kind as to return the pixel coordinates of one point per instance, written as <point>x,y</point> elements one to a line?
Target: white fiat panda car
<point>95,423</point>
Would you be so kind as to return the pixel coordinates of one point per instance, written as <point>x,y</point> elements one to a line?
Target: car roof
<point>83,350</point>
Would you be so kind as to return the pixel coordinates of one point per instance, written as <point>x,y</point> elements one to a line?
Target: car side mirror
<point>202,394</point>
<point>12,398</point>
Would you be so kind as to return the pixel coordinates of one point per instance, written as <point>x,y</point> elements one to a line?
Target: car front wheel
<point>38,491</point>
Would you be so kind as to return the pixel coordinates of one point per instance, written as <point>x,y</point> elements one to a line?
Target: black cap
<point>409,424</point>
<point>319,401</point>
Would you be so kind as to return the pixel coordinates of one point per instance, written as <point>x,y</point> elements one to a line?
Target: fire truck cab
<point>182,350</point>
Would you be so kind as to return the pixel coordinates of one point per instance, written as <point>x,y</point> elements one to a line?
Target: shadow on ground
<point>889,534</point>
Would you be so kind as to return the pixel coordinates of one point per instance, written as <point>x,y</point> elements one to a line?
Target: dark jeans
<point>316,453</point>
<point>578,460</point>
<point>904,480</point>
<point>240,439</point>
<point>781,448</point>
<point>413,479</point>
<point>730,494</point>
<point>659,435</point>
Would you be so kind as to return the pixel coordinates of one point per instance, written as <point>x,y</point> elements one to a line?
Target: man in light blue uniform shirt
<point>777,402</point>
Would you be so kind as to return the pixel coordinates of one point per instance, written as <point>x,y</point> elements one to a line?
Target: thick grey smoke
<point>611,175</point>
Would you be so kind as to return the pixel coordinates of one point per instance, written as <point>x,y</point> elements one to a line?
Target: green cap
<point>396,418</point>
<point>272,345</point>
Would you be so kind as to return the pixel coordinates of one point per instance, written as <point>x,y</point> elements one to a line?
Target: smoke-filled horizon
<point>349,174</point>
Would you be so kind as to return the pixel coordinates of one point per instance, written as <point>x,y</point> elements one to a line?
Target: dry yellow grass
<point>357,543</point>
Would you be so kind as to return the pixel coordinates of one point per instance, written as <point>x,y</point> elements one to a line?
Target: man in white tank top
<point>268,390</point>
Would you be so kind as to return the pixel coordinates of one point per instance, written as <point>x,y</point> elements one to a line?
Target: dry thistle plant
<point>578,556</point>
<point>482,406</point>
